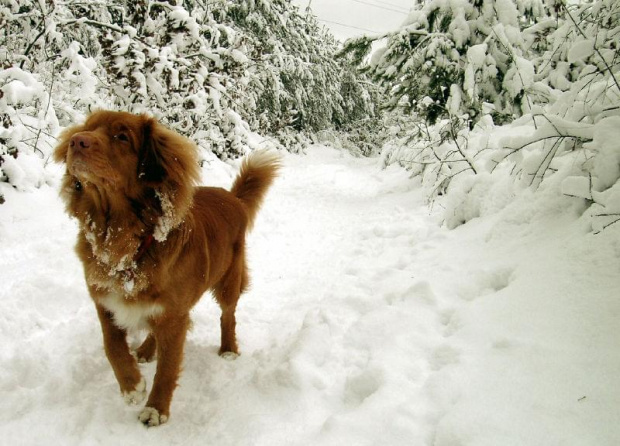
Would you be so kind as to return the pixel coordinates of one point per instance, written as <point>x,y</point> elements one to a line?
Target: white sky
<point>348,18</point>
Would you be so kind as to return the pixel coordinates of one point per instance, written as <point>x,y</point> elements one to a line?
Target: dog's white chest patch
<point>128,314</point>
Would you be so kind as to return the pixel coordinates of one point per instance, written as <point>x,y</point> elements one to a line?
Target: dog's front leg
<point>123,363</point>
<point>169,333</point>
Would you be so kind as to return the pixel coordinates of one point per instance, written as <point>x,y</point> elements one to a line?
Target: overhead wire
<point>347,26</point>
<point>364,3</point>
<point>392,4</point>
<point>380,7</point>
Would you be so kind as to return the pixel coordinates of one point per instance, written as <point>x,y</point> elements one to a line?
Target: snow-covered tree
<point>451,66</point>
<point>504,87</point>
<point>454,58</point>
<point>27,123</point>
<point>578,131</point>
<point>45,79</point>
<point>231,66</point>
<point>214,71</point>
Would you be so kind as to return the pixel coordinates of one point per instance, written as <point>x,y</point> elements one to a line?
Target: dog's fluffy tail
<point>256,175</point>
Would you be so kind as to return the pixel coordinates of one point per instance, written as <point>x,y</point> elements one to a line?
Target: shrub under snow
<point>498,89</point>
<point>28,125</point>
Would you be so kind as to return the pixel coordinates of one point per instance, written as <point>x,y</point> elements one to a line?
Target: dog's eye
<point>122,137</point>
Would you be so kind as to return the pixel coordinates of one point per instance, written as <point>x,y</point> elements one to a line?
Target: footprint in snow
<point>361,386</point>
<point>451,321</point>
<point>486,282</point>
<point>419,292</point>
<point>443,356</point>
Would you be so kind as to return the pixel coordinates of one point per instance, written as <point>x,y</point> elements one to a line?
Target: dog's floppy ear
<point>166,159</point>
<point>151,163</point>
<point>168,162</point>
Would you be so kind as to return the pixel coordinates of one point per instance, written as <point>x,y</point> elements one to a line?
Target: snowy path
<point>367,324</point>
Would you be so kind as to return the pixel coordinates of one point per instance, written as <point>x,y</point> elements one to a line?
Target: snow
<point>507,13</point>
<point>476,55</point>
<point>581,50</point>
<point>606,139</point>
<point>460,28</point>
<point>80,72</point>
<point>167,221</point>
<point>367,323</point>
<point>577,187</point>
<point>454,101</point>
<point>239,57</point>
<point>122,45</point>
<point>519,77</point>
<point>24,100</point>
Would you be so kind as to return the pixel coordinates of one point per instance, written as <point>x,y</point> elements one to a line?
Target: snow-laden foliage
<point>456,57</point>
<point>214,71</point>
<point>453,65</point>
<point>229,67</point>
<point>500,88</point>
<point>28,122</point>
<point>578,131</point>
<point>570,140</point>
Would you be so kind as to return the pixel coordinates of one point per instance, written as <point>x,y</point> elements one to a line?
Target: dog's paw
<point>144,359</point>
<point>137,395</point>
<point>147,352</point>
<point>151,417</point>
<point>229,356</point>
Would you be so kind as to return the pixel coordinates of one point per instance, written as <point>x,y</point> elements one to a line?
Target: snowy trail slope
<point>366,324</point>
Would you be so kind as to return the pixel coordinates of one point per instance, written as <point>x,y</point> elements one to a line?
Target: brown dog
<point>152,243</point>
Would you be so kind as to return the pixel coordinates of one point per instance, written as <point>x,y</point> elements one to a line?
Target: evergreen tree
<point>214,71</point>
<point>451,66</point>
<point>229,67</point>
<point>456,58</point>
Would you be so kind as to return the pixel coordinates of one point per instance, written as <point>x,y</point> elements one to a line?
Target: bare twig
<point>94,23</point>
<point>546,161</point>
<point>31,44</point>
<point>617,220</point>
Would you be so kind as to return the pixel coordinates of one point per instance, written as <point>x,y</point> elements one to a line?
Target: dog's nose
<point>81,141</point>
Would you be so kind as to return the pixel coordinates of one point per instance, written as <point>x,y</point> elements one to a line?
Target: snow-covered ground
<point>368,323</point>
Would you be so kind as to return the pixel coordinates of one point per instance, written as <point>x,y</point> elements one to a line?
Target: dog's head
<point>116,156</point>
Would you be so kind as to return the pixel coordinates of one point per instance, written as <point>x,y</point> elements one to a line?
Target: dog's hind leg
<point>146,351</point>
<point>228,326</point>
<point>227,293</point>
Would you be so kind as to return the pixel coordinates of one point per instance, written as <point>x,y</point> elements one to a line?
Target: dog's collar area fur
<point>129,274</point>
<point>144,246</point>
